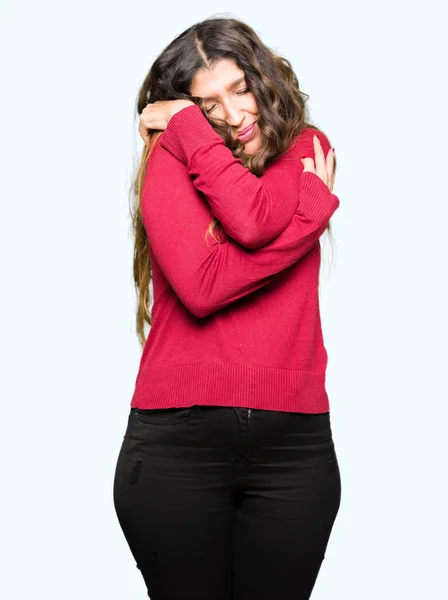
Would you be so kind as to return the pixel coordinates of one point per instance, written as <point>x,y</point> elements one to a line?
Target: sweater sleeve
<point>207,275</point>
<point>252,210</point>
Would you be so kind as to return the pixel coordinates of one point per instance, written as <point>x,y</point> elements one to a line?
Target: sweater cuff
<point>187,131</point>
<point>316,200</point>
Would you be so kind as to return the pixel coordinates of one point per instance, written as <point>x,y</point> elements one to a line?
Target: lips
<point>245,130</point>
<point>247,133</point>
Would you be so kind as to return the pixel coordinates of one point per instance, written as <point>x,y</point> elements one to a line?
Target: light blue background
<point>376,75</point>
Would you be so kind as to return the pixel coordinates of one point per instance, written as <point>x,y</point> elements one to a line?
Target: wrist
<point>178,105</point>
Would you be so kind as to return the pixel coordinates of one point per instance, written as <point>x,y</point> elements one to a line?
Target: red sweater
<point>236,323</point>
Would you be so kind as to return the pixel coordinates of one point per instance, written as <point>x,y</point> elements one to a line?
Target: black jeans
<point>222,503</point>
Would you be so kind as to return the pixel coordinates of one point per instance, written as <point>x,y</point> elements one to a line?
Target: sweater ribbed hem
<point>217,384</point>
<point>316,198</point>
<point>187,131</point>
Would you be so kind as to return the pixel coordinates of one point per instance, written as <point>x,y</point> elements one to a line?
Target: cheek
<point>252,103</point>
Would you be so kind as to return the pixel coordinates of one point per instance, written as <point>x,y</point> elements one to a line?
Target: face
<point>226,97</point>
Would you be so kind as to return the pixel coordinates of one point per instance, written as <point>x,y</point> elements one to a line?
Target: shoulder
<point>304,142</point>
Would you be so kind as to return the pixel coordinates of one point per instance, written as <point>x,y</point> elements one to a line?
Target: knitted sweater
<point>235,323</point>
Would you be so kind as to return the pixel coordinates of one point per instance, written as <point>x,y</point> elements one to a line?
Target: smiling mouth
<point>246,129</point>
<point>247,133</point>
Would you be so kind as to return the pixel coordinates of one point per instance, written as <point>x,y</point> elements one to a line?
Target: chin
<point>252,147</point>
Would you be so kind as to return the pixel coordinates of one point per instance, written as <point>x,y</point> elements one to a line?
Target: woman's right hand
<point>157,115</point>
<point>324,168</point>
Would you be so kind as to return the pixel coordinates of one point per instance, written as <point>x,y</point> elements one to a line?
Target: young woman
<point>227,483</point>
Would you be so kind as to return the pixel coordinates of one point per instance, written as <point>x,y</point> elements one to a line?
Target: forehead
<point>217,79</point>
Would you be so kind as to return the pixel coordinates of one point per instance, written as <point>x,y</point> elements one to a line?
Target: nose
<point>233,115</point>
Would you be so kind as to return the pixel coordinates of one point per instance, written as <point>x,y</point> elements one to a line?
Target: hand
<point>157,115</point>
<point>324,168</point>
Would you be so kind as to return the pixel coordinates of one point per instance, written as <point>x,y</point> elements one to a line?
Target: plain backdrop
<point>70,72</point>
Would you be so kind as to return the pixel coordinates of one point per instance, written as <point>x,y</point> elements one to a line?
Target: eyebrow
<point>231,86</point>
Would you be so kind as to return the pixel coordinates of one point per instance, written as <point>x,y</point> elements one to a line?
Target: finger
<point>321,169</point>
<point>143,133</point>
<point>141,121</point>
<point>329,163</point>
<point>308,165</point>
<point>332,179</point>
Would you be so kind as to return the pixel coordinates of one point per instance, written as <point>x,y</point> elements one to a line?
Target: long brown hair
<point>281,107</point>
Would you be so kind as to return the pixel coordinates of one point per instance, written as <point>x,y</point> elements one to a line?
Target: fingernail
<point>332,150</point>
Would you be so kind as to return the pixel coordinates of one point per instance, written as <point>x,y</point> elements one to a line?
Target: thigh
<point>291,500</point>
<point>172,495</point>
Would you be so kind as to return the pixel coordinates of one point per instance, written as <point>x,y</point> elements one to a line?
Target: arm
<point>207,276</point>
<point>252,210</point>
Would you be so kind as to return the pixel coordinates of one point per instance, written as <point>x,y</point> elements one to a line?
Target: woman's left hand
<point>157,115</point>
<point>324,168</point>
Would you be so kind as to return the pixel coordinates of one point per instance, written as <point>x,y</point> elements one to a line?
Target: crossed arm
<point>252,210</point>
<point>208,275</point>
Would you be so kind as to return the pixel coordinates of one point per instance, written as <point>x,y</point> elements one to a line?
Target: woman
<point>227,483</point>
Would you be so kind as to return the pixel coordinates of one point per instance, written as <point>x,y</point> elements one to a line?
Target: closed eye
<point>240,93</point>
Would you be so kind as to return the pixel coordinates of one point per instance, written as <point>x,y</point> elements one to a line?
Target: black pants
<point>222,503</point>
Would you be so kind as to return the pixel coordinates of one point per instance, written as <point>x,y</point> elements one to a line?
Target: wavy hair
<point>281,108</point>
